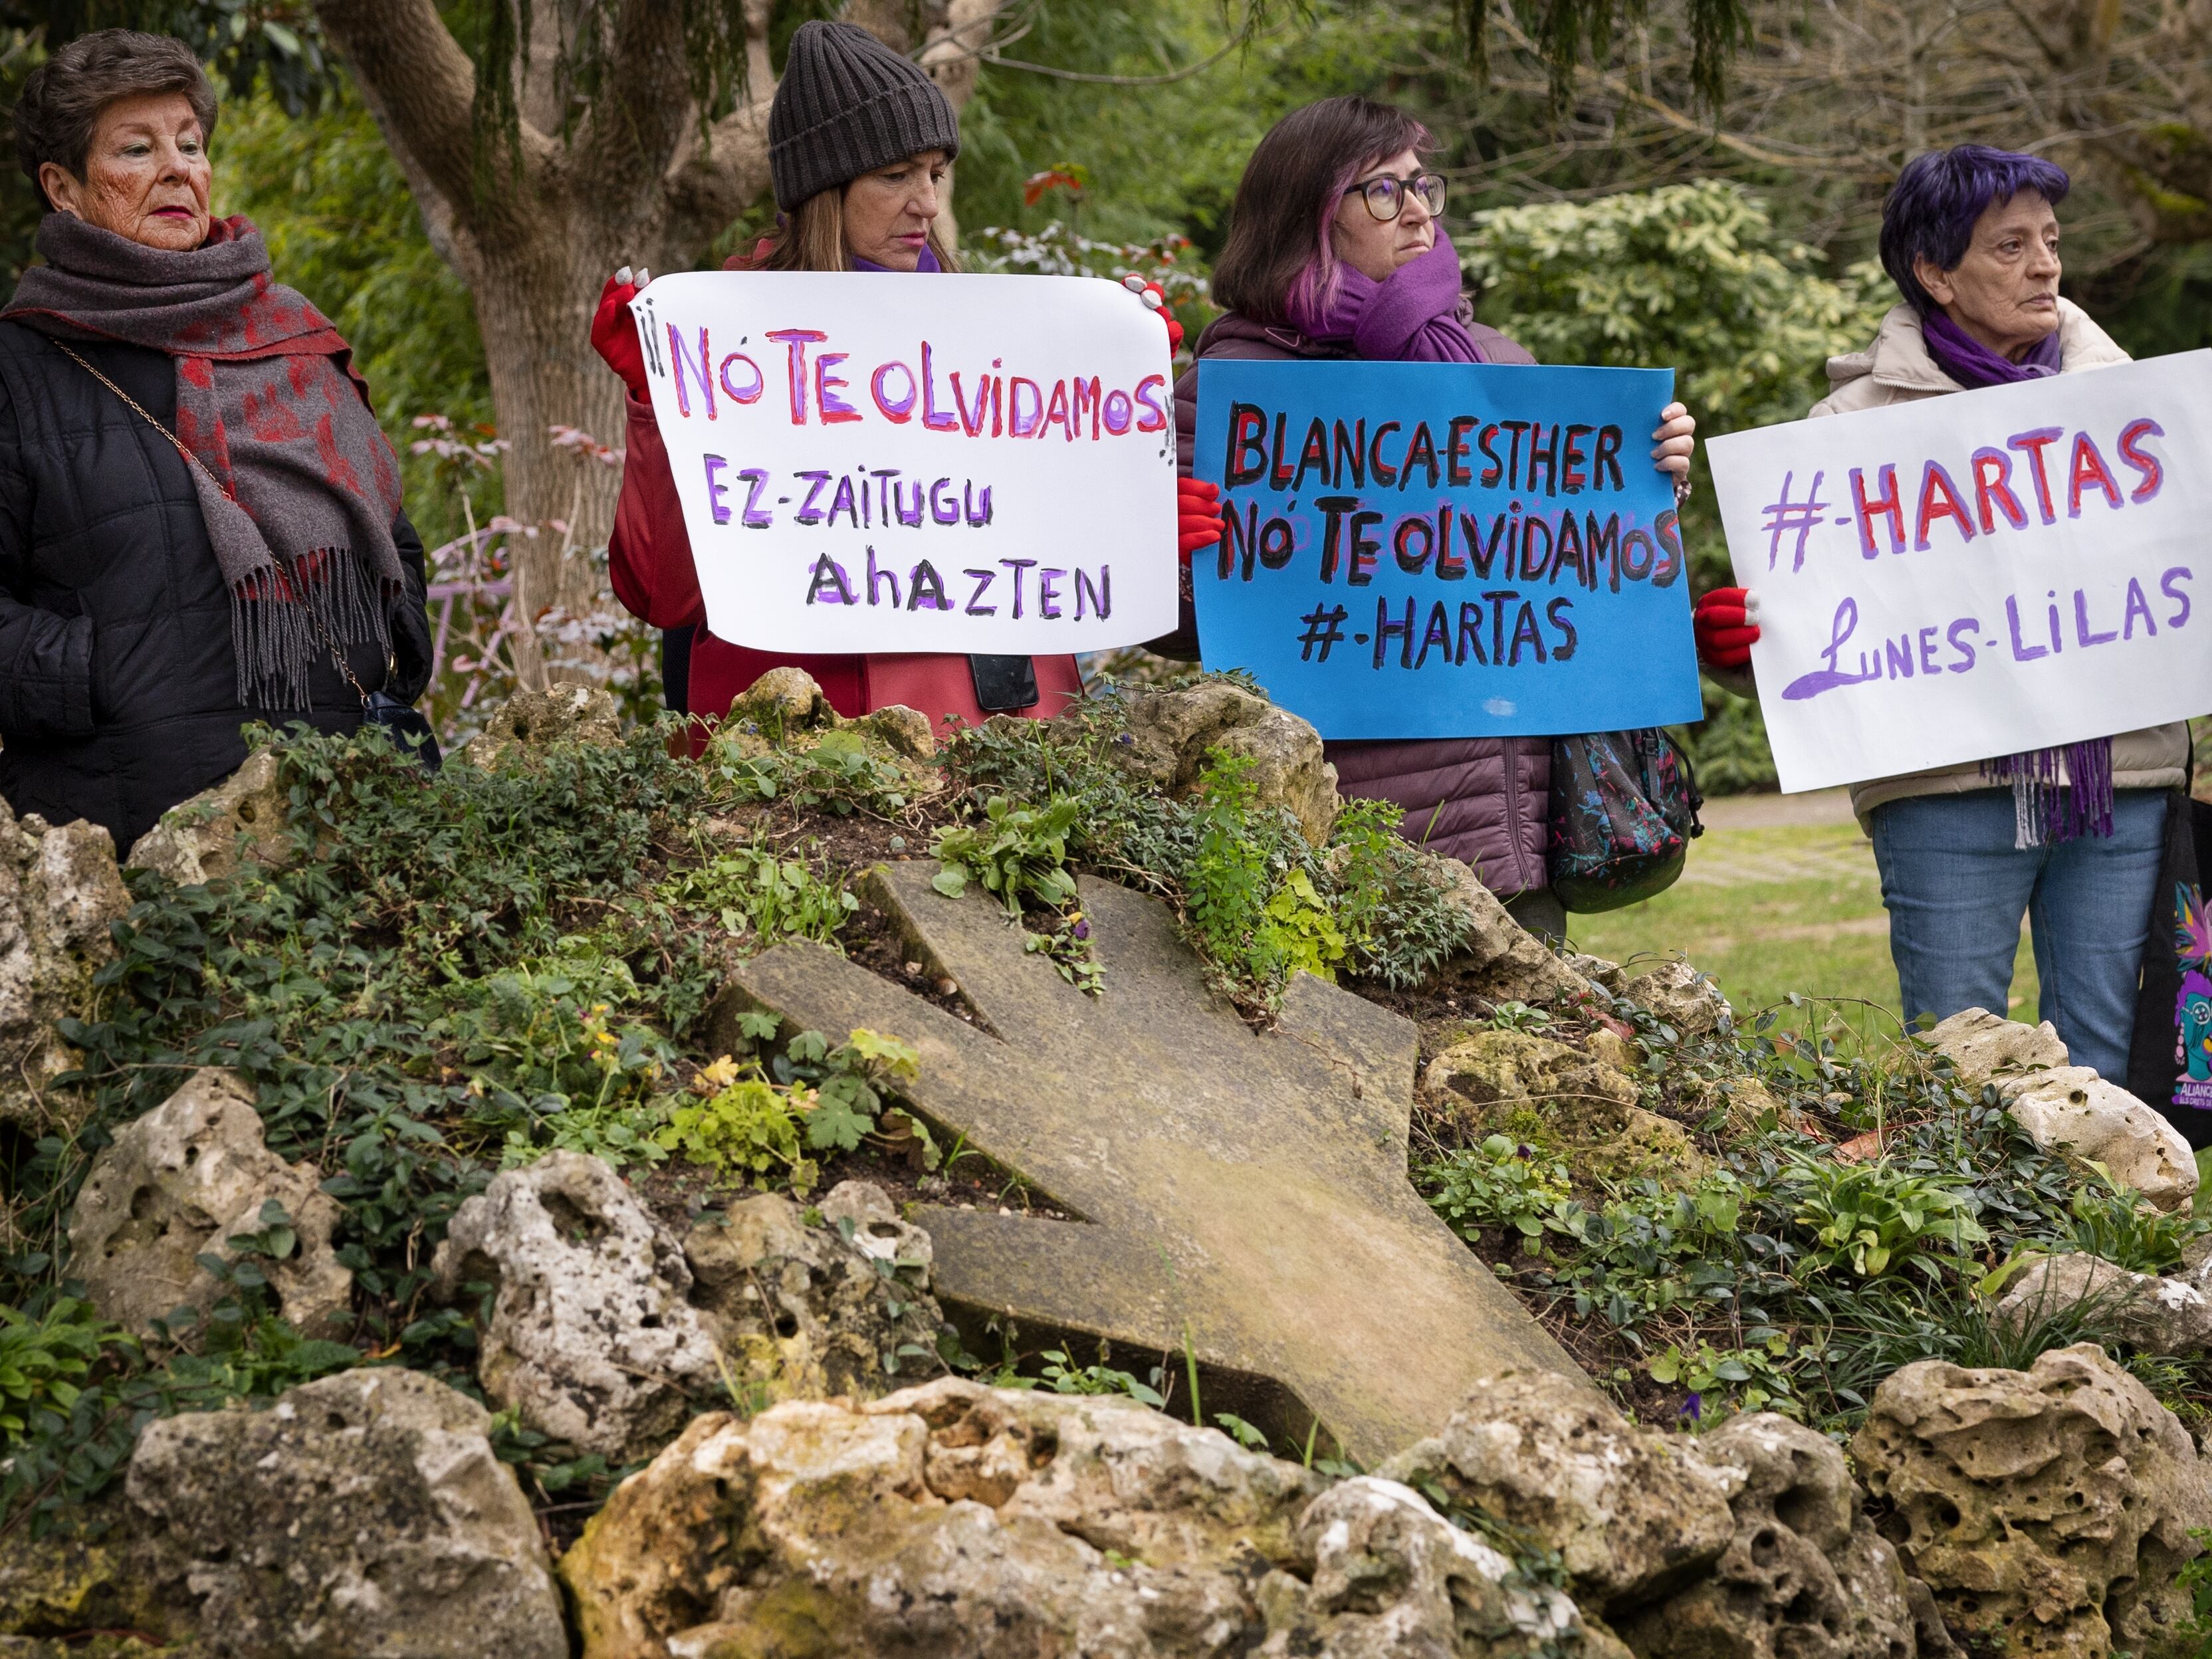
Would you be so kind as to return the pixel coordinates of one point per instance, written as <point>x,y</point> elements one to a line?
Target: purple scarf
<point>928,263</point>
<point>1972,364</point>
<point>2045,811</point>
<point>1411,316</point>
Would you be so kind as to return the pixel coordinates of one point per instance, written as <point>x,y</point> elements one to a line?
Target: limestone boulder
<point>1608,975</point>
<point>1390,1577</point>
<point>1559,1099</point>
<point>804,1312</point>
<point>361,1514</point>
<point>2049,1510</point>
<point>1804,1577</point>
<point>1501,961</point>
<point>2073,1110</point>
<point>954,1521</point>
<point>181,1182</point>
<point>1677,994</point>
<point>2156,1314</point>
<point>1170,735</point>
<point>1634,1515</point>
<point>566,713</point>
<point>245,818</point>
<point>783,702</point>
<point>591,1337</point>
<point>1985,1047</point>
<point>903,730</point>
<point>59,894</point>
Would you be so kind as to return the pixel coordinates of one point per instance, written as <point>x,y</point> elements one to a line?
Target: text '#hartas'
<point>823,387</point>
<point>1358,522</point>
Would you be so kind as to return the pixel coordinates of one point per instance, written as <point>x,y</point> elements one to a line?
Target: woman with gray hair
<point>200,520</point>
<point>2072,837</point>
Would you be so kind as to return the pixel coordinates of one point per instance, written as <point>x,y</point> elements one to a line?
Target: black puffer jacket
<point>118,691</point>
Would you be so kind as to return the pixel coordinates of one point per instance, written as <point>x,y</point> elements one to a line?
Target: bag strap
<point>315,623</point>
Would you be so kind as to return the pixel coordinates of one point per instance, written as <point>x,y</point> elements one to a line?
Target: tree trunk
<point>639,182</point>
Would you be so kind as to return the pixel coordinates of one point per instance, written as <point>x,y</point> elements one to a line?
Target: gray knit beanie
<point>848,105</point>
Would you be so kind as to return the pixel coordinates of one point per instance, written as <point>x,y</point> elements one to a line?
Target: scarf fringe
<point>2059,794</point>
<point>276,639</point>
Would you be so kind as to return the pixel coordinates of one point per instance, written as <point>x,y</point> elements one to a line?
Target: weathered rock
<point>1603,1044</point>
<point>782,703</point>
<point>1633,1516</point>
<point>2072,1109</point>
<point>1390,1577</point>
<point>245,818</point>
<point>953,1520</point>
<point>536,720</point>
<point>2158,1315</point>
<point>1984,1046</point>
<point>1557,1099</point>
<point>903,730</point>
<point>361,1514</point>
<point>1608,975</point>
<point>1677,994</point>
<point>59,893</point>
<point>1134,1110</point>
<point>1171,734</point>
<point>2048,1510</point>
<point>1805,1576</point>
<point>590,1337</point>
<point>93,1571</point>
<point>180,1182</point>
<point>803,1312</point>
<point>1503,961</point>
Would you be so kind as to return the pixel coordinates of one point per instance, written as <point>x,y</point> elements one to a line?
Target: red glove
<point>1151,295</point>
<point>1198,516</point>
<point>1722,621</point>
<point>614,332</point>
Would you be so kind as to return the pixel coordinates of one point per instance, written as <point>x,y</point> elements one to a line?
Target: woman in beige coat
<point>2072,837</point>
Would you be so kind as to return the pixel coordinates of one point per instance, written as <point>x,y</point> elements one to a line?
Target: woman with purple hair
<point>2072,837</point>
<point>1335,251</point>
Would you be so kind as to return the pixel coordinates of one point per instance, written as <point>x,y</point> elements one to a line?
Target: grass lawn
<point>1768,911</point>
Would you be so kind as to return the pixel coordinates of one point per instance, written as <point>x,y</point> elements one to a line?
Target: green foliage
<point>757,893</point>
<point>1728,748</point>
<point>2115,1223</point>
<point>748,1126</point>
<point>44,1361</point>
<point>836,773</point>
<point>1257,901</point>
<point>1753,1378</point>
<point>1498,1184</point>
<point>1017,853</point>
<point>1063,1375</point>
<point>1876,1216</point>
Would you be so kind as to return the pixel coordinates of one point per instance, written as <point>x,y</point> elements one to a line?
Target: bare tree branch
<point>420,84</point>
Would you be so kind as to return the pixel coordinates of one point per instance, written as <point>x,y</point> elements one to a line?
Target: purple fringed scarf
<point>1411,316</point>
<point>2058,794</point>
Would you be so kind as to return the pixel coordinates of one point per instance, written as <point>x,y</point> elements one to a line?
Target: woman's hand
<point>1726,623</point>
<point>1673,440</point>
<point>614,330</point>
<point>1156,299</point>
<point>1198,516</point>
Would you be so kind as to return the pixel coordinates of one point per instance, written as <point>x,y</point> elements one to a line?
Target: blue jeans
<point>1955,886</point>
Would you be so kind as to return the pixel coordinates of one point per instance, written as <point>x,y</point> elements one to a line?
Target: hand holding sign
<point>950,464</point>
<point>1977,574</point>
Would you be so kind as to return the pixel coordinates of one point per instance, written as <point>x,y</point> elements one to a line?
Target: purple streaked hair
<point>1932,208</point>
<point>1279,263</point>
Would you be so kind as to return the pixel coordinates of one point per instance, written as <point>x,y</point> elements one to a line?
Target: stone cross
<point>1240,1192</point>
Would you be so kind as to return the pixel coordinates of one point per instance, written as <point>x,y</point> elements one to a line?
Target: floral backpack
<point>1623,811</point>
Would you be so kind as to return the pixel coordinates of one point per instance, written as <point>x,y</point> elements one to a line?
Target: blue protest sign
<point>1445,550</point>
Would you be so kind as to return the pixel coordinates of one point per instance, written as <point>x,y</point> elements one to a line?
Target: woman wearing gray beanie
<point>859,140</point>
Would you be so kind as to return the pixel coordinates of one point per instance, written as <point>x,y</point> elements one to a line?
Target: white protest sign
<point>874,462</point>
<point>1979,573</point>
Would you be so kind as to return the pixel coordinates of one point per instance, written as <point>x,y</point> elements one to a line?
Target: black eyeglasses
<point>1386,196</point>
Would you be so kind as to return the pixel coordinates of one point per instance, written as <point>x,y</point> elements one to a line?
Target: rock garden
<point>1060,1188</point>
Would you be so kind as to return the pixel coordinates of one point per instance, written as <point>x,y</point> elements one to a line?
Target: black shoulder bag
<point>407,727</point>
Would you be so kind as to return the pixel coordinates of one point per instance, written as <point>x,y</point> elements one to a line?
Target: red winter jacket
<point>649,558</point>
<point>1486,800</point>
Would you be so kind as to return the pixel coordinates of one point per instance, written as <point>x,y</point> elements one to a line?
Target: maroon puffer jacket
<point>1482,800</point>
